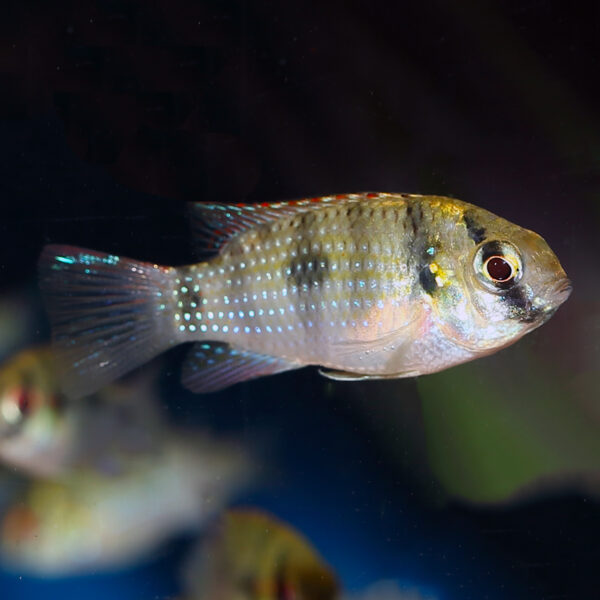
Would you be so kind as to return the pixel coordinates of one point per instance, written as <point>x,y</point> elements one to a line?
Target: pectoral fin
<point>348,376</point>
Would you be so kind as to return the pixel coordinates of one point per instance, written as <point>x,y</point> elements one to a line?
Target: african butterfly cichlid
<point>367,286</point>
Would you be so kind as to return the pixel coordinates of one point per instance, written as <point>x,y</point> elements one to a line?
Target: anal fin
<point>213,366</point>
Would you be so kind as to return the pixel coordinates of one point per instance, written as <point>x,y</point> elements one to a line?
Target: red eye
<point>498,269</point>
<point>23,401</point>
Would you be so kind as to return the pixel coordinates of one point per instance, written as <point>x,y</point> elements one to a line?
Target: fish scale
<point>368,285</point>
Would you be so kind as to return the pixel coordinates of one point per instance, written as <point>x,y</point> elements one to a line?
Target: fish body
<point>45,434</point>
<point>365,285</point>
<point>250,555</point>
<point>88,520</point>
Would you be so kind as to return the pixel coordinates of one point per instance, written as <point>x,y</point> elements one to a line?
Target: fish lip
<point>562,290</point>
<point>558,295</point>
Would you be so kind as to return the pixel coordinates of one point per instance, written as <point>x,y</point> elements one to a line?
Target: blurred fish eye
<point>498,265</point>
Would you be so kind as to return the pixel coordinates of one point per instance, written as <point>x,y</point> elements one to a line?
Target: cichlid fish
<point>250,555</point>
<point>367,285</point>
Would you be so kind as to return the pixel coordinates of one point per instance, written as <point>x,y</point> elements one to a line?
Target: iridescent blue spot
<point>215,328</point>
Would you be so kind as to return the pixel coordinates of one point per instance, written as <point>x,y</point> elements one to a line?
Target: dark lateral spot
<point>427,280</point>
<point>309,270</point>
<point>411,218</point>
<point>474,229</point>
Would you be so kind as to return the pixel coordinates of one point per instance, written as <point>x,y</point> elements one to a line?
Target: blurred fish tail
<point>109,314</point>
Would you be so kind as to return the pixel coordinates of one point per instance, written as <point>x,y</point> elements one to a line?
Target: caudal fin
<point>108,314</point>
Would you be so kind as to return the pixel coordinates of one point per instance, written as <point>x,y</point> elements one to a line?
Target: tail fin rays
<point>108,314</point>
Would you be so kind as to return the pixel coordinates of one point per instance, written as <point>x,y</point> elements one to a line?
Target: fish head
<point>514,282</point>
<point>28,393</point>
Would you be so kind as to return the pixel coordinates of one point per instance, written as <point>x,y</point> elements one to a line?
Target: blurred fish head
<point>507,283</point>
<point>27,392</point>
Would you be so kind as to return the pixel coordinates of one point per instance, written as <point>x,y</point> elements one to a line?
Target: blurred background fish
<point>251,555</point>
<point>44,434</point>
<point>89,520</point>
<point>106,479</point>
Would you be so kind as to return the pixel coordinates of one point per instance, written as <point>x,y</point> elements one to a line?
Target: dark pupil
<point>499,269</point>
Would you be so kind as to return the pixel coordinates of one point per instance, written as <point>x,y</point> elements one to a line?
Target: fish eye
<point>498,264</point>
<point>498,269</point>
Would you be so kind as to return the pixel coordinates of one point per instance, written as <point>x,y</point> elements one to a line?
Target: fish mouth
<point>561,292</point>
<point>557,295</point>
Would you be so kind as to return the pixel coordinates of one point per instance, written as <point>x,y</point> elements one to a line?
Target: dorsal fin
<point>215,223</point>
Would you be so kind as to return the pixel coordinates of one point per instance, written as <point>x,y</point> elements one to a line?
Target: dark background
<point>114,114</point>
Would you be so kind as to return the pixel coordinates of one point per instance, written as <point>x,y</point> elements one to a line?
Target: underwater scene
<point>299,300</point>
